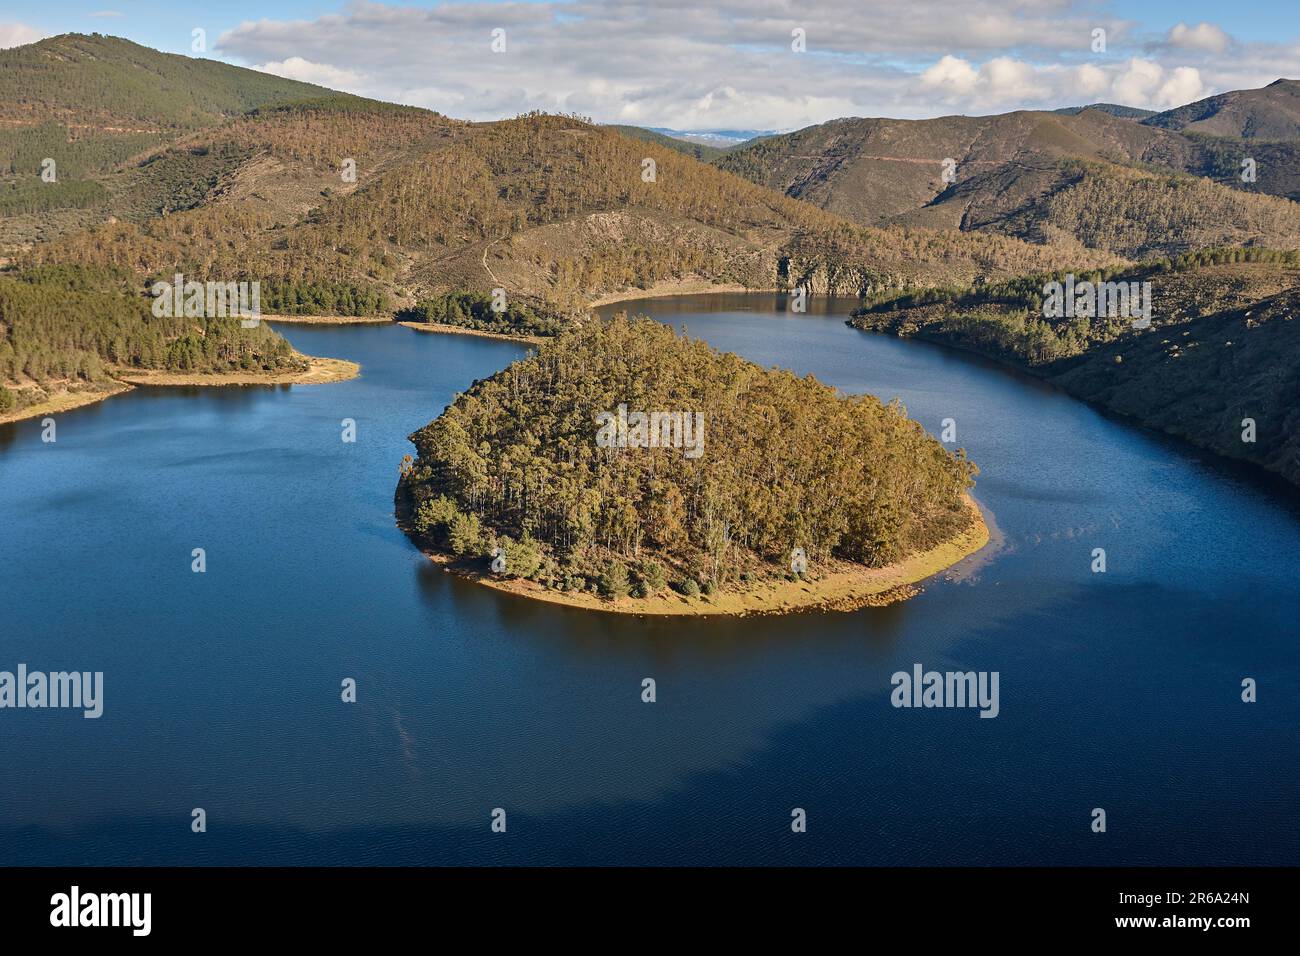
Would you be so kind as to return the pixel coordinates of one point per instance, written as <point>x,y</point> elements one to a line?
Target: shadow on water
<point>1021,794</point>
<point>598,636</point>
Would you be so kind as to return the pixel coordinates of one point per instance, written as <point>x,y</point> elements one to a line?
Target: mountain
<point>333,198</point>
<point>1114,109</point>
<point>723,138</point>
<point>1014,174</point>
<point>118,84</point>
<point>706,145</point>
<point>1031,175</point>
<point>547,207</point>
<point>91,103</point>
<point>339,205</point>
<point>1270,114</point>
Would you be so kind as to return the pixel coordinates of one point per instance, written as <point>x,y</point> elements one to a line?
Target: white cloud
<point>1183,86</point>
<point>1203,36</point>
<point>296,68</point>
<point>1004,81</point>
<point>728,63</point>
<point>1136,85</point>
<point>1145,83</point>
<point>17,34</point>
<point>1091,81</point>
<point>1007,80</point>
<point>952,76</point>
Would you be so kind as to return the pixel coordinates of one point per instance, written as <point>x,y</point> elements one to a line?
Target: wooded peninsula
<point>739,489</point>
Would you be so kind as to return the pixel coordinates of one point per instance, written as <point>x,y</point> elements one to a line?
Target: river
<point>1118,690</point>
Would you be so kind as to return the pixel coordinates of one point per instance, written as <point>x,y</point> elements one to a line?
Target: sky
<point>719,64</point>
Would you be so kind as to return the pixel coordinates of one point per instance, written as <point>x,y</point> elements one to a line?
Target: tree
<point>613,582</point>
<point>465,534</point>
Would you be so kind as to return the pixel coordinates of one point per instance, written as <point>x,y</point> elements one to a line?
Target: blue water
<point>222,690</point>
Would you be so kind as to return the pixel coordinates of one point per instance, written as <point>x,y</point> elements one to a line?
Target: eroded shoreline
<point>461,330</point>
<point>320,371</point>
<point>840,590</point>
<point>675,287</point>
<point>330,319</point>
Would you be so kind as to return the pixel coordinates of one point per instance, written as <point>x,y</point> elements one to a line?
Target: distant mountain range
<point>1158,185</point>
<point>704,145</point>
<point>722,138</point>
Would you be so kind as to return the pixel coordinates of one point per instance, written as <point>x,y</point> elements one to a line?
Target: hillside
<point>550,208</point>
<point>96,106</point>
<point>103,81</point>
<point>1222,328</point>
<point>1268,114</point>
<point>1014,173</point>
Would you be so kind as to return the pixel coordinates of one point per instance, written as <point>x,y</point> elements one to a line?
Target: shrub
<point>523,557</point>
<point>465,535</point>
<point>433,517</point>
<point>690,587</point>
<point>613,581</point>
<point>651,574</point>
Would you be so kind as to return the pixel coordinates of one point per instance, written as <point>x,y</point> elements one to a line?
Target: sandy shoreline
<point>664,290</point>
<point>330,319</point>
<point>63,402</point>
<point>321,370</point>
<point>843,590</point>
<point>459,330</point>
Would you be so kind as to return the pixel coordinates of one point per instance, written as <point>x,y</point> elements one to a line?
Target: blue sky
<point>675,63</point>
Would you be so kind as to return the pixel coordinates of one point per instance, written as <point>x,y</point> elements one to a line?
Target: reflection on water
<point>222,689</point>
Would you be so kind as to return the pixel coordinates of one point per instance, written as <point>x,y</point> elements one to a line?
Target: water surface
<point>1118,690</point>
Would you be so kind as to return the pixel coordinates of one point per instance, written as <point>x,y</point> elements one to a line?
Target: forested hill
<point>76,109</point>
<point>1219,350</point>
<point>550,208</point>
<point>113,83</point>
<point>70,327</point>
<point>775,462</point>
